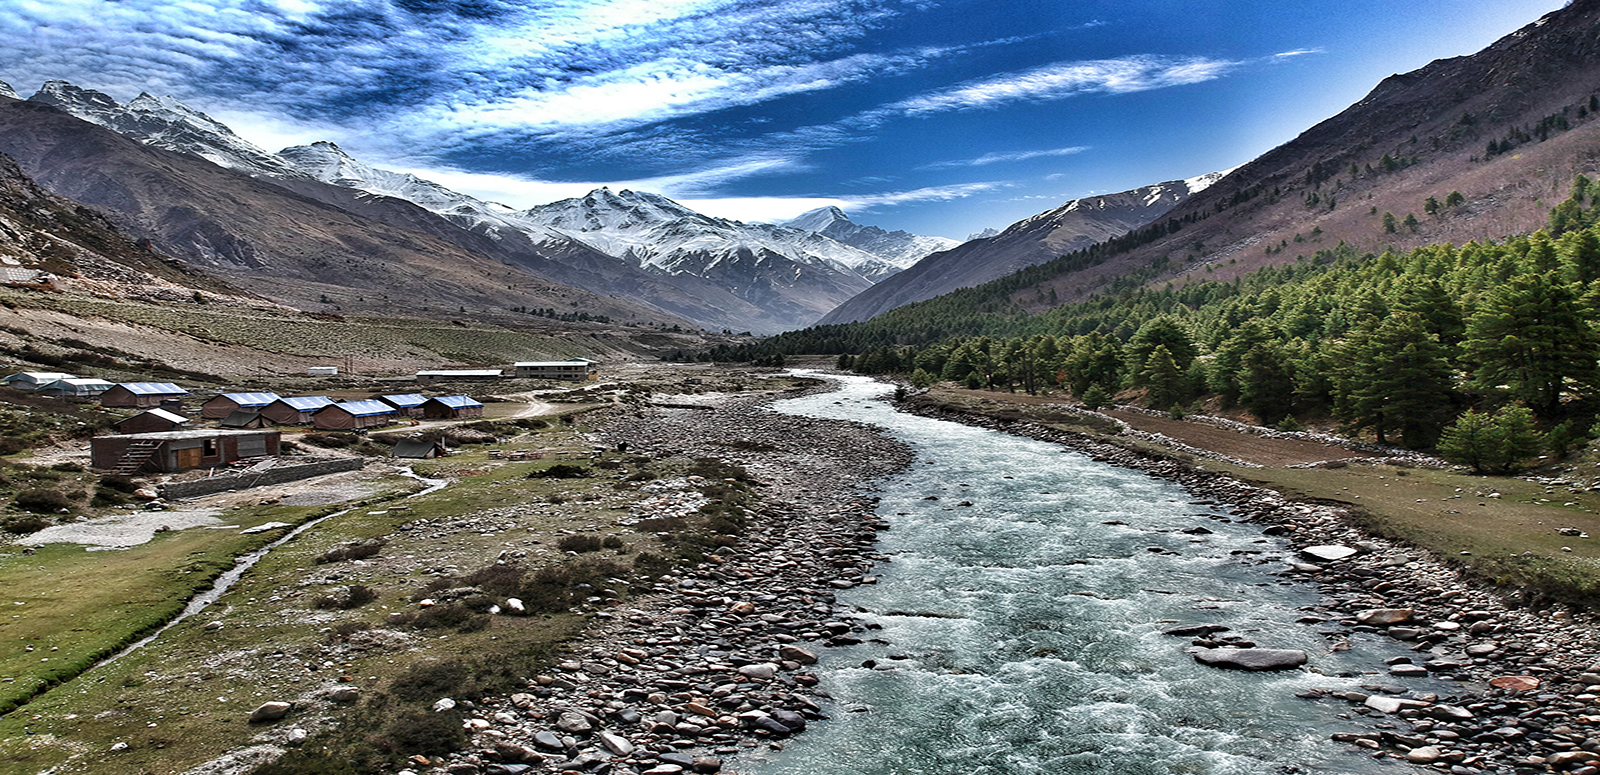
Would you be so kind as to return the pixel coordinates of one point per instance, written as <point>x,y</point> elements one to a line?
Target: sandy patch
<point>121,531</point>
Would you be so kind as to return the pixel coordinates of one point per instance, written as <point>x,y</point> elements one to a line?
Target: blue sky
<point>937,116</point>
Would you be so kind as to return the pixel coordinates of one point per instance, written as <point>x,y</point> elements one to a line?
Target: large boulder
<point>1251,659</point>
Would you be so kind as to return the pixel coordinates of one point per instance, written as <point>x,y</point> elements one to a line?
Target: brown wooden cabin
<point>144,395</point>
<point>297,410</point>
<point>223,405</point>
<point>152,421</point>
<point>353,415</point>
<point>451,408</point>
<point>179,450</point>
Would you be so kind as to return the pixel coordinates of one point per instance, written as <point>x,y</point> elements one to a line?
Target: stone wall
<point>275,475</point>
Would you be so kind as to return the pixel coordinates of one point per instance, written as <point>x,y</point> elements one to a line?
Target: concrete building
<point>575,369</point>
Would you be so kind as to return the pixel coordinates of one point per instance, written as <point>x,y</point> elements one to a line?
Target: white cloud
<point>997,158</point>
<point>1068,79</point>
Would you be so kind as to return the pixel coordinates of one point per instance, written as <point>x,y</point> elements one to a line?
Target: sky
<point>941,117</point>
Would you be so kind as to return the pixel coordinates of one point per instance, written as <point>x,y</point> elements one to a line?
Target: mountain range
<point>1072,226</point>
<point>713,272</point>
<point>1497,135</point>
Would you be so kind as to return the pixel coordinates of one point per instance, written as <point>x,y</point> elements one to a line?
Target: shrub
<point>345,598</point>
<point>68,467</point>
<point>561,471</point>
<point>579,543</point>
<point>24,525</point>
<point>352,550</point>
<point>613,542</point>
<point>119,483</point>
<point>425,733</point>
<point>42,501</point>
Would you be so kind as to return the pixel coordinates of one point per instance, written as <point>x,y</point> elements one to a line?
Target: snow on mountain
<point>7,91</point>
<point>164,122</point>
<point>895,250</point>
<point>655,231</point>
<point>985,234</point>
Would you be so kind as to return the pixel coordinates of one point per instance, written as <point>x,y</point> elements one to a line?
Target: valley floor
<point>778,512</point>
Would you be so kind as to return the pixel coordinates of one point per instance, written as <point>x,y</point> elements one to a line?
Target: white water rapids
<point>1024,632</point>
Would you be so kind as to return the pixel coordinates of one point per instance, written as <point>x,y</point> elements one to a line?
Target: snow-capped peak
<point>895,250</point>
<point>164,122</point>
<point>7,91</point>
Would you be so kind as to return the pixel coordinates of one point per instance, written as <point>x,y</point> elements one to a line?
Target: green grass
<point>182,700</point>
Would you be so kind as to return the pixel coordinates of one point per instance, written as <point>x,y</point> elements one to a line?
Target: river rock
<point>1383,617</point>
<point>796,654</point>
<point>761,671</point>
<point>1328,553</point>
<point>616,744</point>
<point>573,723</point>
<point>1251,659</point>
<point>270,711</point>
<point>1427,754</point>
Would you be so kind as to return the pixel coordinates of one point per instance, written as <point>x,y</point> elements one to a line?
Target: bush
<point>68,467</point>
<point>579,543</point>
<point>42,501</point>
<point>24,525</point>
<point>561,471</point>
<point>119,483</point>
<point>614,542</point>
<point>352,550</point>
<point>345,598</point>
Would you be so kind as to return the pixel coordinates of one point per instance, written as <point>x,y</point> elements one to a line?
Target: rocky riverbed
<point>1529,698</point>
<point>717,662</point>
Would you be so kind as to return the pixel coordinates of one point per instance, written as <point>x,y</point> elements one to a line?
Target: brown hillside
<point>1533,90</point>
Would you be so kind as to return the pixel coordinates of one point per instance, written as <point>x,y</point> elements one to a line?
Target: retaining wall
<point>275,475</point>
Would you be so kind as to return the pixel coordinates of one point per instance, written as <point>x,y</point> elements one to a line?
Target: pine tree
<point>1164,378</point>
<point>1163,331</point>
<point>1529,336</point>
<point>1392,376</point>
<point>1267,383</point>
<point>1473,440</point>
<point>1519,440</point>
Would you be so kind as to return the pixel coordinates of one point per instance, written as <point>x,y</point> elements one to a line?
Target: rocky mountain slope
<point>716,272</point>
<point>1072,226</point>
<point>289,246</point>
<point>1492,139</point>
<point>897,249</point>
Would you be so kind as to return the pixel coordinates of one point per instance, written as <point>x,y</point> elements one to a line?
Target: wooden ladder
<point>135,456</point>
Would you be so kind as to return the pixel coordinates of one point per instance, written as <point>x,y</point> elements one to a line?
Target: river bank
<point>1526,702</point>
<point>716,663</point>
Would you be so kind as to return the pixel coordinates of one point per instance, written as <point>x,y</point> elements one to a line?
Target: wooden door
<point>188,458</point>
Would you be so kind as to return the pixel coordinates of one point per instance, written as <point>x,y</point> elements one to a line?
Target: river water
<point>1024,634</point>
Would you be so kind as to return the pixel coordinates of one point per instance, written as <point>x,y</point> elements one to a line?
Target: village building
<point>353,415</point>
<point>244,418</point>
<point>144,395</point>
<point>152,421</point>
<point>77,387</point>
<point>174,451</point>
<point>575,369</point>
<point>419,450</point>
<point>323,371</point>
<point>227,403</point>
<point>459,375</point>
<point>296,410</point>
<point>452,408</point>
<point>33,380</point>
<point>406,404</point>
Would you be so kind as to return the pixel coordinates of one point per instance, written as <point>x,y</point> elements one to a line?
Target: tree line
<point>1487,352</point>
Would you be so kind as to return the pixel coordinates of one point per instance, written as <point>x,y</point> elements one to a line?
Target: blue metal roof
<point>406,400</point>
<point>153,389</point>
<point>250,399</point>
<point>307,403</point>
<point>364,408</point>
<point>458,402</point>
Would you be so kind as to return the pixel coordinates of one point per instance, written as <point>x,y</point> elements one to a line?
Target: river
<point>1023,633</point>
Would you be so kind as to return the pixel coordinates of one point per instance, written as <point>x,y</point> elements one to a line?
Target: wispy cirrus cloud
<point>1068,79</point>
<point>999,158</point>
